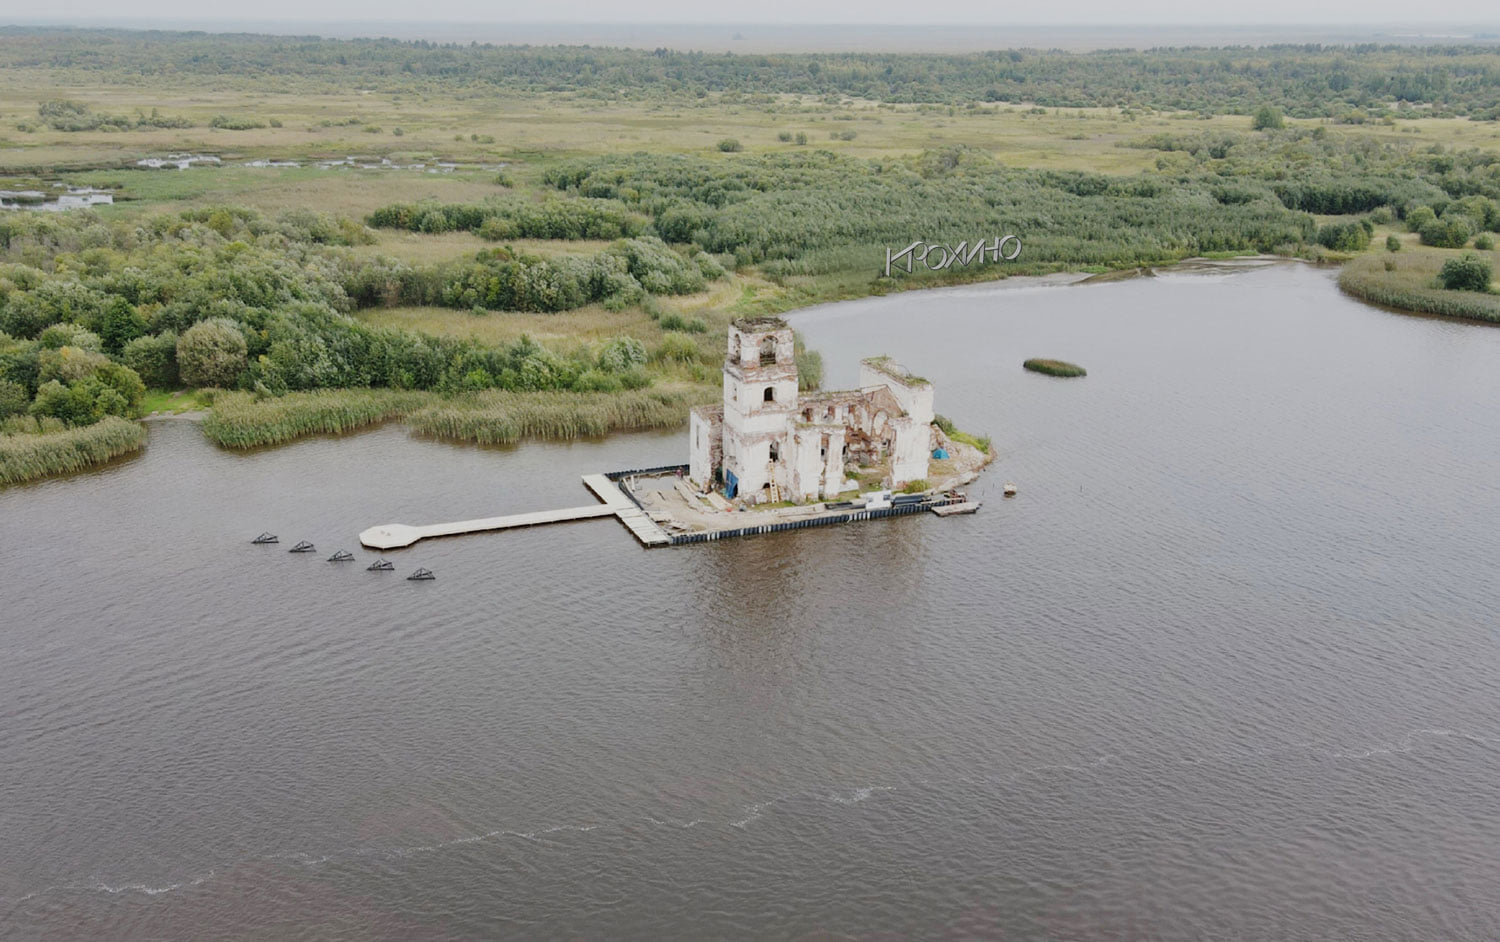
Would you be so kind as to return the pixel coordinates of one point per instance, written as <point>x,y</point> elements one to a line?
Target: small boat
<point>1009,489</point>
<point>265,538</point>
<point>342,556</point>
<point>421,575</point>
<point>303,547</point>
<point>380,565</point>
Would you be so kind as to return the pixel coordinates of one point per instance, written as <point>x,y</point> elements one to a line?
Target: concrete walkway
<point>616,504</point>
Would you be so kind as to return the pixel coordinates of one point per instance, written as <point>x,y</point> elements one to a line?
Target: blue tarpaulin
<point>940,454</point>
<point>731,485</point>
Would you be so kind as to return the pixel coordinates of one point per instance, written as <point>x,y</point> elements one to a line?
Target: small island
<point>1055,367</point>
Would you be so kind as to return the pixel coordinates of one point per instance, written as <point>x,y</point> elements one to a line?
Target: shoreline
<point>1007,283</point>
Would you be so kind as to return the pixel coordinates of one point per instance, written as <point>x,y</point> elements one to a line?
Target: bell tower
<point>760,398</point>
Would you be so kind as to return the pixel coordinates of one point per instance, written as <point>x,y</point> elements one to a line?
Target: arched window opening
<point>775,452</point>
<point>768,351</point>
<point>770,394</point>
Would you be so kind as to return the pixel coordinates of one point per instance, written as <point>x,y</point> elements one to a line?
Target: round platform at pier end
<point>390,536</point>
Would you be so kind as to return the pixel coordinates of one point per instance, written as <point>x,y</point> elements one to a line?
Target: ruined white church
<point>767,442</point>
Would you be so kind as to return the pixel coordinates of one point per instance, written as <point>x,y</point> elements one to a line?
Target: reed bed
<point>1055,367</point>
<point>498,417</point>
<point>26,456</point>
<point>241,420</point>
<point>1409,284</point>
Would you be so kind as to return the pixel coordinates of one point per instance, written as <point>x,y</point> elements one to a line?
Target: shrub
<point>1448,233</point>
<point>809,367</point>
<point>1484,242</point>
<point>1419,216</point>
<point>675,321</point>
<point>68,364</point>
<point>916,487</point>
<point>1344,237</point>
<point>14,398</point>
<point>70,335</point>
<point>80,403</point>
<point>677,349</point>
<point>730,146</point>
<point>1055,367</point>
<point>1392,244</point>
<point>226,122</point>
<point>622,353</point>
<point>1267,118</point>
<point>1467,273</point>
<point>211,353</point>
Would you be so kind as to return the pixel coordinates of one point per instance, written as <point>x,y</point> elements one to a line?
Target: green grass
<point>1407,281</point>
<point>982,442</point>
<point>497,417</point>
<point>175,401</point>
<point>241,420</point>
<point>1054,367</point>
<point>28,456</point>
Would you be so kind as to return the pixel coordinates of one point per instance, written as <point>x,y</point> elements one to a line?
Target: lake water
<point>1227,667</point>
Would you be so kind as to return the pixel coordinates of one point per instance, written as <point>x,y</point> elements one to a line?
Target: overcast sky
<point>1351,13</point>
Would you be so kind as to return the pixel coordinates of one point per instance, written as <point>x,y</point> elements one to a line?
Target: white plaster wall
<point>701,433</point>
<point>806,462</point>
<point>833,465</point>
<point>910,449</point>
<point>750,466</point>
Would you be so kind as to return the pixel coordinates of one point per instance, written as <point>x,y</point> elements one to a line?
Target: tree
<point>1447,233</point>
<point>82,403</point>
<point>154,358</point>
<point>1467,273</point>
<point>1419,216</point>
<point>1392,243</point>
<point>1267,118</point>
<point>120,324</point>
<point>1344,236</point>
<point>13,398</point>
<point>211,353</point>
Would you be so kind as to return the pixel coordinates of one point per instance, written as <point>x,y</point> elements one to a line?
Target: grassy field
<point>1407,280</point>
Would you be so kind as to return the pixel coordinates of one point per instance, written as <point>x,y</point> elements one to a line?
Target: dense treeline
<point>515,219</point>
<point>1245,191</point>
<point>806,213</point>
<point>502,280</point>
<point>1303,81</point>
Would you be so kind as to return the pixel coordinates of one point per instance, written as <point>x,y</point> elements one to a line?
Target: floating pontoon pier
<point>651,529</point>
